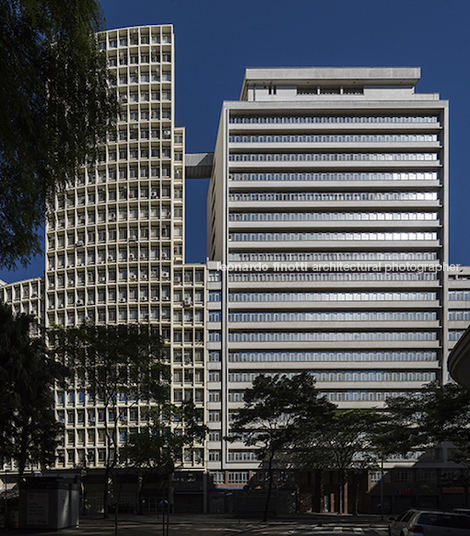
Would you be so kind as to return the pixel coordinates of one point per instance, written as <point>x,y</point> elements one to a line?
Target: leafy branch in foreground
<point>29,432</point>
<point>56,106</point>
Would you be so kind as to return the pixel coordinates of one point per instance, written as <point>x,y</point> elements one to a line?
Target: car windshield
<point>445,520</point>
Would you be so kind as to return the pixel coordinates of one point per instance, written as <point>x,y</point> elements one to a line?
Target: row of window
<point>124,254</point>
<point>373,376</point>
<point>271,256</point>
<point>364,176</point>
<point>145,77</point>
<point>334,316</point>
<point>91,197</point>
<point>360,396</point>
<point>333,196</point>
<point>332,216</point>
<point>133,154</point>
<point>329,336</point>
<point>133,58</point>
<point>461,294</point>
<point>459,315</point>
<point>328,276</point>
<point>145,96</point>
<point>122,275</point>
<point>132,315</point>
<point>332,157</point>
<point>331,296</point>
<point>146,113</point>
<point>112,175</point>
<point>144,257</point>
<point>454,334</point>
<point>133,171</point>
<point>99,252</point>
<point>267,237</point>
<point>112,234</point>
<point>114,214</point>
<point>134,39</point>
<point>124,295</point>
<point>294,119</point>
<point>334,138</point>
<point>144,275</point>
<point>346,376</point>
<point>302,356</point>
<point>242,456</point>
<point>189,355</point>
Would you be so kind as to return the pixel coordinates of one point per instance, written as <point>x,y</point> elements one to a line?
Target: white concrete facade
<point>115,245</point>
<point>327,230</point>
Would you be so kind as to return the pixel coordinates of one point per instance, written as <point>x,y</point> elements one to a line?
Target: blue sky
<point>216,40</point>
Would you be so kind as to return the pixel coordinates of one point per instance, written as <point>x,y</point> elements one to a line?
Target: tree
<point>346,443</point>
<point>28,429</point>
<point>120,367</point>
<point>433,415</point>
<point>275,412</point>
<point>56,105</point>
<point>160,445</point>
<point>421,421</point>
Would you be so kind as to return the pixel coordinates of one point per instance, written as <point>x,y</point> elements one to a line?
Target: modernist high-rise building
<point>115,248</point>
<point>327,232</point>
<point>327,245</point>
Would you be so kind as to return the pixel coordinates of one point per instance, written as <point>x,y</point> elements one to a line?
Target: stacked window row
<point>330,276</point>
<point>352,176</point>
<point>274,256</point>
<point>334,138</point>
<point>333,216</point>
<point>312,119</point>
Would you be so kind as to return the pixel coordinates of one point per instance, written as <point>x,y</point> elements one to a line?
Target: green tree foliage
<point>55,107</point>
<point>119,367</point>
<point>346,443</point>
<point>159,446</point>
<point>276,411</point>
<point>421,420</point>
<point>28,429</point>
<point>169,430</point>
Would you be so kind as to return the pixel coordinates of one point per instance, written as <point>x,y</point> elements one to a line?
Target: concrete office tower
<point>327,215</point>
<point>114,241</point>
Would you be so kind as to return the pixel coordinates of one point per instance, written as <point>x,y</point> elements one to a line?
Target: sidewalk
<point>201,525</point>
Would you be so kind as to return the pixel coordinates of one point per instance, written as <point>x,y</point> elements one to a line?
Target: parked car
<point>430,523</point>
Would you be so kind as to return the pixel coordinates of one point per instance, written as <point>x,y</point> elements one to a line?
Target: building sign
<point>37,510</point>
<point>407,491</point>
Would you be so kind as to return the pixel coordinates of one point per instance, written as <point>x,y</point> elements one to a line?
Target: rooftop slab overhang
<point>350,76</point>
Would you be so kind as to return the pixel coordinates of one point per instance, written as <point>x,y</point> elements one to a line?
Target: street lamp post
<point>382,489</point>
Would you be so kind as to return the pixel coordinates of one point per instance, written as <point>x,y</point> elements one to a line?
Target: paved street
<point>220,525</point>
<point>334,530</point>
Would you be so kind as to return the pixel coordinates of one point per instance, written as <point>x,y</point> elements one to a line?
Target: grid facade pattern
<point>115,249</point>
